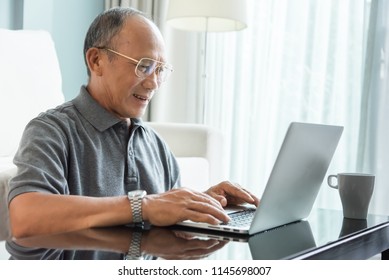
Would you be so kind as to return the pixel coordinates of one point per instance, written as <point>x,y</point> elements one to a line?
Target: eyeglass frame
<point>160,64</point>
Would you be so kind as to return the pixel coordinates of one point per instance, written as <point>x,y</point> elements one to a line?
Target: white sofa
<point>30,82</point>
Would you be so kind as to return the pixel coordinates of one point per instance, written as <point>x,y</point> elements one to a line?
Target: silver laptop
<point>294,182</point>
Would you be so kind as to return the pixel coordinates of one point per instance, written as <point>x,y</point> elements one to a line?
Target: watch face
<point>137,193</point>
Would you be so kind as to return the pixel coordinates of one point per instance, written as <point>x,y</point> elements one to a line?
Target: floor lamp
<point>207,16</point>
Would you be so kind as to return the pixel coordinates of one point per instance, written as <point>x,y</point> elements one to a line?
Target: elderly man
<point>91,162</point>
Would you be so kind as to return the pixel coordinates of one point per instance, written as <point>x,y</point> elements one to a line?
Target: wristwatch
<point>135,197</point>
<point>134,252</point>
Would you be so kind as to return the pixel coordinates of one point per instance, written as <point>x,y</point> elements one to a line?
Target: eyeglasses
<point>147,66</point>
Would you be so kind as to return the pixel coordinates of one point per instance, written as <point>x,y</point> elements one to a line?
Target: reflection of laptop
<point>282,242</point>
<point>294,182</point>
<point>278,243</point>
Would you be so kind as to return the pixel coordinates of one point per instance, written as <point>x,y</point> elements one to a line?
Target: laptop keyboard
<point>241,218</point>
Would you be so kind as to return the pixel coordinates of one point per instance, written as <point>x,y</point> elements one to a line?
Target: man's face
<point>121,91</point>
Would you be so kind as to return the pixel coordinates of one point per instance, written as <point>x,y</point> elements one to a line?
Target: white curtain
<point>153,8</point>
<point>302,60</point>
<point>297,61</point>
<point>374,129</point>
<point>311,61</point>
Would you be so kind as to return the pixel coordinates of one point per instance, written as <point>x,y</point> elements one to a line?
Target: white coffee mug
<point>355,190</point>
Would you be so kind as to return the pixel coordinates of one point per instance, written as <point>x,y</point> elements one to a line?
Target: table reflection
<point>162,243</point>
<point>323,227</point>
<point>113,244</point>
<point>350,226</point>
<point>282,242</point>
<point>278,243</point>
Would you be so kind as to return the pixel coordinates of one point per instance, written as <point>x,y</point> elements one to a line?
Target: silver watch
<point>134,252</point>
<point>135,198</point>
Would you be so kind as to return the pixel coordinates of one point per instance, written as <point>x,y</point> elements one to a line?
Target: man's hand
<point>228,193</point>
<point>182,204</point>
<point>176,245</point>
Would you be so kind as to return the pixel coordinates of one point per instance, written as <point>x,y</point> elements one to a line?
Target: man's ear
<point>93,58</point>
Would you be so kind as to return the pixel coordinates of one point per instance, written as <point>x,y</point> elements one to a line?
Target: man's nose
<point>152,81</point>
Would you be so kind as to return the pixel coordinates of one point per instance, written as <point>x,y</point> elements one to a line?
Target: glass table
<point>324,235</point>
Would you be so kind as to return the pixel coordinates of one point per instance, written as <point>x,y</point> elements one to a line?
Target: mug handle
<point>329,181</point>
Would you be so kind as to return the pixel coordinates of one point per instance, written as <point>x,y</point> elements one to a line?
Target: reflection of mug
<point>355,190</point>
<point>350,226</point>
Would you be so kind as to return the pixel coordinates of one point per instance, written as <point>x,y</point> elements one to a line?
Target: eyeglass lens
<point>147,66</point>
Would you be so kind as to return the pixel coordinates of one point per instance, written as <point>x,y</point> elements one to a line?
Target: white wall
<point>67,21</point>
<point>10,14</point>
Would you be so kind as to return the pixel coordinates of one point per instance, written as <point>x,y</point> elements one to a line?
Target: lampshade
<point>207,15</point>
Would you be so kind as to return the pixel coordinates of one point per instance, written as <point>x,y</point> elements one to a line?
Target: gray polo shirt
<point>79,148</point>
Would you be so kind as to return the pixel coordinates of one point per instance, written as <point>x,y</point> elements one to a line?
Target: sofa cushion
<point>194,172</point>
<point>30,82</point>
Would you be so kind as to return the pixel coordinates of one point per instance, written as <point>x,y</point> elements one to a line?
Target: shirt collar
<point>95,114</point>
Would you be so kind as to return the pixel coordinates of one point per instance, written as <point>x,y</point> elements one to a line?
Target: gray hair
<point>105,26</point>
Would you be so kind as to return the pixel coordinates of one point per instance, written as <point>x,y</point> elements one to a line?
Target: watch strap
<point>136,207</point>
<point>135,198</point>
<point>134,252</point>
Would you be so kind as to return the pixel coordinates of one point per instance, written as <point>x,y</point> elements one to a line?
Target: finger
<point>206,211</point>
<point>238,192</point>
<point>214,200</point>
<point>246,195</point>
<point>255,198</point>
<point>186,197</point>
<point>220,198</point>
<point>203,214</point>
<point>202,207</point>
<point>210,200</point>
<point>189,194</point>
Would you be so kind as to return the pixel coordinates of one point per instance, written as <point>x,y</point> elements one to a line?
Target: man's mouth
<point>141,97</point>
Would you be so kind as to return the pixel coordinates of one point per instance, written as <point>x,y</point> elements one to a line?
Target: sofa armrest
<point>197,142</point>
<point>5,176</point>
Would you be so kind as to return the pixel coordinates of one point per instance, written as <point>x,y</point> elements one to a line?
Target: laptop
<point>293,184</point>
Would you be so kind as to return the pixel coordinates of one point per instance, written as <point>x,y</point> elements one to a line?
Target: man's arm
<point>156,241</point>
<point>37,213</point>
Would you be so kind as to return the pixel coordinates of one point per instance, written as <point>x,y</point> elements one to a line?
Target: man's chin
<point>137,115</point>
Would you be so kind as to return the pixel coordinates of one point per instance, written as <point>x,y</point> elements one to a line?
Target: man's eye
<point>160,69</point>
<point>144,68</point>
<point>149,69</point>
